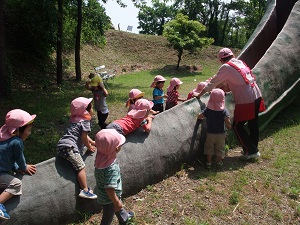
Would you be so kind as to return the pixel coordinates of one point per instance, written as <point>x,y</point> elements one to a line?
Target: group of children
<point>108,140</point>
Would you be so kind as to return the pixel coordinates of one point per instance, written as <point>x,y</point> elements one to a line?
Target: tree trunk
<point>3,63</point>
<point>78,37</point>
<point>179,58</point>
<point>59,43</point>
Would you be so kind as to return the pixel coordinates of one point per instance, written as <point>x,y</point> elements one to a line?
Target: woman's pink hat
<point>14,119</point>
<point>224,53</point>
<point>174,82</point>
<point>78,109</point>
<point>141,108</point>
<point>199,88</point>
<point>107,140</point>
<point>216,100</point>
<point>157,78</point>
<point>135,93</point>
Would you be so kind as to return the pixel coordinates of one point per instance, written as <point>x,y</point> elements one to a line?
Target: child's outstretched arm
<point>114,198</point>
<point>147,127</point>
<point>86,141</point>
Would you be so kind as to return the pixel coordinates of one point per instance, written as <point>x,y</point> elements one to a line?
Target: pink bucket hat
<point>199,88</point>
<point>107,140</point>
<point>224,53</point>
<point>174,82</point>
<point>141,108</point>
<point>78,109</point>
<point>157,79</point>
<point>135,93</point>
<point>216,100</point>
<point>14,119</point>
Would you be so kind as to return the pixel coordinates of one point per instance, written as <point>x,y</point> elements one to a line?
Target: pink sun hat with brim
<point>135,93</point>
<point>224,53</point>
<point>216,100</point>
<point>141,108</point>
<point>14,119</point>
<point>174,82</point>
<point>107,140</point>
<point>157,78</point>
<point>199,88</point>
<point>78,109</point>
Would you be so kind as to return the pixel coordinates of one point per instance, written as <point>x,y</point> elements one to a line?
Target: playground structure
<point>50,196</point>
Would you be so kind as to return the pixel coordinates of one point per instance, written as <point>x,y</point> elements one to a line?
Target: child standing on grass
<point>197,90</point>
<point>108,177</point>
<point>173,94</point>
<point>99,94</point>
<point>215,114</point>
<point>158,93</point>
<point>13,133</point>
<point>133,95</point>
<point>72,143</point>
<point>135,118</point>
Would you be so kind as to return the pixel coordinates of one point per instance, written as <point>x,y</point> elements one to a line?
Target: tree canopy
<point>184,34</point>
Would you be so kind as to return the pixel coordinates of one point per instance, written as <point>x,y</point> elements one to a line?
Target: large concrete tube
<point>50,196</point>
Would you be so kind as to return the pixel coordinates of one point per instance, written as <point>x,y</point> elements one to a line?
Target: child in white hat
<point>108,176</point>
<point>173,94</point>
<point>135,118</point>
<point>71,145</point>
<point>13,133</point>
<point>216,114</point>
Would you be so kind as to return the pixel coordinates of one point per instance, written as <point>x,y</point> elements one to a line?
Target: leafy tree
<point>152,19</point>
<point>3,71</point>
<point>184,34</point>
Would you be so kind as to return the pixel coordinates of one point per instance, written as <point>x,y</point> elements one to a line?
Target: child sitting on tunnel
<point>13,133</point>
<point>72,143</point>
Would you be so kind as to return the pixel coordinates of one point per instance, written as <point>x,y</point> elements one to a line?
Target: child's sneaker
<point>219,164</point>
<point>253,156</point>
<point>129,218</point>
<point>87,194</point>
<point>3,213</point>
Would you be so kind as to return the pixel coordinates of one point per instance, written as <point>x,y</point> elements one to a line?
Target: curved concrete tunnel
<point>51,195</point>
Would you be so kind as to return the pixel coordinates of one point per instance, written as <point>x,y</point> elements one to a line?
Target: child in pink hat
<point>173,94</point>
<point>108,176</point>
<point>133,96</point>
<point>99,95</point>
<point>215,114</point>
<point>17,127</point>
<point>158,93</point>
<point>197,90</point>
<point>71,145</point>
<point>135,118</point>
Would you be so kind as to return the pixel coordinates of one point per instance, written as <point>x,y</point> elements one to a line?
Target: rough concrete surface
<point>51,195</point>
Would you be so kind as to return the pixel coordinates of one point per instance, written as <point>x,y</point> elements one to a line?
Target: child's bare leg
<point>5,196</point>
<point>81,177</point>
<point>219,159</point>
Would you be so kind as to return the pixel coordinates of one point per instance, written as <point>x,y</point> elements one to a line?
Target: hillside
<point>128,52</point>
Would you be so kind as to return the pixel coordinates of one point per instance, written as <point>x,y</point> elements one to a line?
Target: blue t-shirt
<point>12,155</point>
<point>215,120</point>
<point>158,92</point>
<point>100,101</point>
